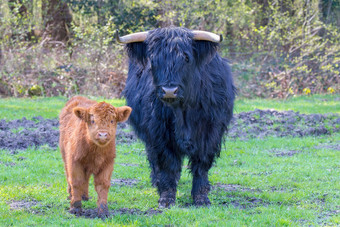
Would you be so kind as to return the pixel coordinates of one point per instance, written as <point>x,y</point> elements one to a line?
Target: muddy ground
<point>23,133</point>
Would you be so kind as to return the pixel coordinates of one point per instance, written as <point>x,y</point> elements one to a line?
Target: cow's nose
<point>102,135</point>
<point>170,92</point>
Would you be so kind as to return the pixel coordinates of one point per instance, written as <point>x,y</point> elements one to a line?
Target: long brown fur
<point>87,150</point>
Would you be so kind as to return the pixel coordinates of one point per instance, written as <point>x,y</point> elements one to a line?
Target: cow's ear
<point>81,113</point>
<point>137,52</point>
<point>123,113</point>
<point>204,51</point>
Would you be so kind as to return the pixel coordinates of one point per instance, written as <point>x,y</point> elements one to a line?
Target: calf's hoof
<point>167,199</point>
<point>85,198</point>
<point>103,211</point>
<point>201,200</point>
<point>76,208</point>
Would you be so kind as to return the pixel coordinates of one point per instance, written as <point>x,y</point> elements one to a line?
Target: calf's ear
<point>123,113</point>
<point>80,113</point>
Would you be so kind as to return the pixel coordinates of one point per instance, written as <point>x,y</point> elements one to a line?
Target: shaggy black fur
<point>191,125</point>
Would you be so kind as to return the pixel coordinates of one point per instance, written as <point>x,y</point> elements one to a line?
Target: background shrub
<point>277,48</point>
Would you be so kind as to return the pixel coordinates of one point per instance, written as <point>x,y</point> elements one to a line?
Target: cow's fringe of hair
<point>137,51</point>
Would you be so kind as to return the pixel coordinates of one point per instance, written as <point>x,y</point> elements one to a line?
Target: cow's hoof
<point>103,211</point>
<point>167,199</point>
<point>201,200</point>
<point>166,202</point>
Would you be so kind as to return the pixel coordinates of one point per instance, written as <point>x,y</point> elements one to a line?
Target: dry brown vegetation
<point>62,47</point>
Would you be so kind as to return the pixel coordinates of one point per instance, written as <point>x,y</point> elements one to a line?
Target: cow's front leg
<point>167,190</point>
<point>166,170</point>
<point>102,186</point>
<point>200,183</point>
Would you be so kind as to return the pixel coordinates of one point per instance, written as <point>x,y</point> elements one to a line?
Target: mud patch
<point>282,153</point>
<point>23,133</point>
<point>282,189</point>
<point>233,187</point>
<point>127,164</point>
<point>244,203</point>
<point>124,134</point>
<point>7,163</point>
<point>263,123</point>
<point>326,215</point>
<point>92,213</point>
<point>237,200</point>
<point>124,182</point>
<point>26,205</point>
<point>331,146</point>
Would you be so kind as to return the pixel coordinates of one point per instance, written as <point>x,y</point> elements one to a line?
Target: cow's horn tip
<point>117,35</point>
<point>221,37</point>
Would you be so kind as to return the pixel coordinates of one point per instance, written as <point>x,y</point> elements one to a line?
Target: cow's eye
<point>92,121</point>
<point>186,58</point>
<point>112,122</point>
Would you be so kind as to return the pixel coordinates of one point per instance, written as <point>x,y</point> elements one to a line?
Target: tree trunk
<point>57,20</point>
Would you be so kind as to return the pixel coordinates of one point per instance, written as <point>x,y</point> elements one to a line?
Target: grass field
<point>270,182</point>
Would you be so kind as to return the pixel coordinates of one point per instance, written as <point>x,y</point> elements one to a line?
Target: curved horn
<point>208,36</point>
<point>132,38</point>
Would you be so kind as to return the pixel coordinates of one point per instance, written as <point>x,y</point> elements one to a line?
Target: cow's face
<point>101,120</point>
<point>175,61</point>
<point>172,68</point>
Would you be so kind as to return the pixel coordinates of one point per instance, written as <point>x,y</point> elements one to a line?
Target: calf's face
<point>101,121</point>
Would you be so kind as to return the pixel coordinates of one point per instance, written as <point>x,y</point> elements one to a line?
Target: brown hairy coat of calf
<point>87,145</point>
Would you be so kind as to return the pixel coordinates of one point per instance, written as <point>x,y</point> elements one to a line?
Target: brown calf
<point>87,145</point>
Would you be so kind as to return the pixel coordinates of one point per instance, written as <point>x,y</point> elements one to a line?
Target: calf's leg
<point>78,185</point>
<point>102,186</point>
<point>62,151</point>
<point>85,196</point>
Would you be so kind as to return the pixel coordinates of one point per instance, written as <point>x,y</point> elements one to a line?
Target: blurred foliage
<point>276,48</point>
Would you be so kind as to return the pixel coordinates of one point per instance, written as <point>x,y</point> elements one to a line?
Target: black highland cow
<point>182,95</point>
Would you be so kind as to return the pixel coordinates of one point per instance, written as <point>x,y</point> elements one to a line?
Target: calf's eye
<point>112,122</point>
<point>92,121</point>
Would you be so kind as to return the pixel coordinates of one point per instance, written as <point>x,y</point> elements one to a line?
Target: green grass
<point>278,181</point>
<point>14,108</point>
<point>304,104</point>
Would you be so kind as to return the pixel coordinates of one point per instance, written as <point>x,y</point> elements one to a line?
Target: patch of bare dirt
<point>127,164</point>
<point>283,152</point>
<point>92,213</point>
<point>263,123</point>
<point>124,182</point>
<point>332,146</point>
<point>233,187</point>
<point>26,205</point>
<point>244,202</point>
<point>23,133</point>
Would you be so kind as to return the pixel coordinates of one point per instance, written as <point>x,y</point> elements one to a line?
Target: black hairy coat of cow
<point>182,95</point>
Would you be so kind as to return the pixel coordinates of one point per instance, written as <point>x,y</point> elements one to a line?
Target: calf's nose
<point>102,135</point>
<point>170,92</point>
